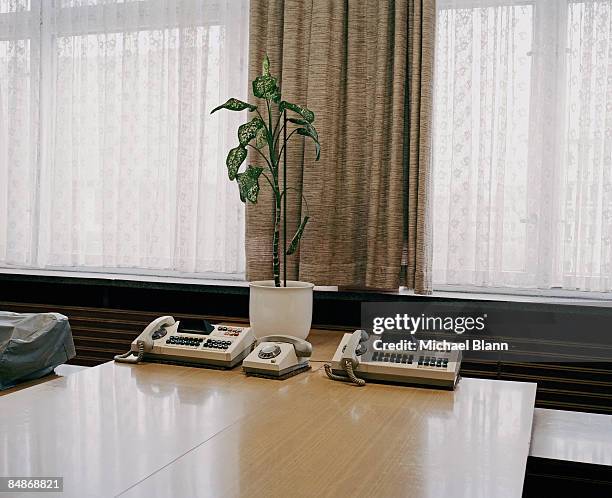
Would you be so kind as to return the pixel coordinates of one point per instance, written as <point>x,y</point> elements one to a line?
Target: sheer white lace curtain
<point>523,144</point>
<point>109,158</point>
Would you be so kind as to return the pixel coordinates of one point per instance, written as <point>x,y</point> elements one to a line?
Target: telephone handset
<point>352,350</point>
<point>278,357</point>
<point>144,342</point>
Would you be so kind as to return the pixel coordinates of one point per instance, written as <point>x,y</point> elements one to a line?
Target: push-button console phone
<point>198,344</point>
<point>356,359</point>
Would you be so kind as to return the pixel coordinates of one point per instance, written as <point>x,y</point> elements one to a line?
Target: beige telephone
<point>357,359</point>
<point>278,357</point>
<point>199,343</point>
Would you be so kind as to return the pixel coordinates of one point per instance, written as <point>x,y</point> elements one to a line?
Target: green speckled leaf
<point>235,105</point>
<point>248,131</point>
<point>306,113</point>
<point>295,242</point>
<point>261,139</point>
<point>265,66</point>
<point>248,184</point>
<point>297,121</point>
<point>235,158</point>
<point>309,131</point>
<point>265,87</point>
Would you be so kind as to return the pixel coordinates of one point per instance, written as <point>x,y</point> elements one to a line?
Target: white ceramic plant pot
<point>280,310</point>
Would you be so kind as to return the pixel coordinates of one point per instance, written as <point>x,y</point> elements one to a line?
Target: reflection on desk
<point>158,430</point>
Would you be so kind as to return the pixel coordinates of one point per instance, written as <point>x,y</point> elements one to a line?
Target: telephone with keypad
<point>196,343</point>
<point>356,359</point>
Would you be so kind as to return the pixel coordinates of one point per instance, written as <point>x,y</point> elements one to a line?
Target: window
<point>523,144</point>
<point>110,157</point>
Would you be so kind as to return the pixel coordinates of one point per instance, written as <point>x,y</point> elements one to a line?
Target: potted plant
<point>276,306</point>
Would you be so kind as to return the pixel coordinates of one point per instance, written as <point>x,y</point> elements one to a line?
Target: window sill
<point>127,277</point>
<point>526,296</point>
<point>239,285</point>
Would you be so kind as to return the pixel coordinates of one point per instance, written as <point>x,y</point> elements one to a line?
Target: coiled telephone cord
<point>125,357</point>
<point>348,368</point>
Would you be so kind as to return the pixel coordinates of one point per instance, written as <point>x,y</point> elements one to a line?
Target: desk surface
<point>157,430</point>
<point>572,436</point>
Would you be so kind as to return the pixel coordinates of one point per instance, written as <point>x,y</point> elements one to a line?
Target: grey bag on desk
<point>32,345</point>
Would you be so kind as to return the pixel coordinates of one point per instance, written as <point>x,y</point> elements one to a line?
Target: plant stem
<point>301,194</point>
<point>270,135</point>
<point>260,153</point>
<point>280,115</point>
<point>276,259</point>
<point>269,181</point>
<point>286,141</point>
<point>273,164</point>
<point>284,199</point>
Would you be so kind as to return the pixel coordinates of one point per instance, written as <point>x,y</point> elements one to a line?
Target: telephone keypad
<point>432,361</point>
<point>217,344</point>
<point>180,340</point>
<point>408,359</point>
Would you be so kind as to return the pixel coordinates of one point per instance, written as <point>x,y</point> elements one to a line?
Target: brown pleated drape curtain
<point>365,68</point>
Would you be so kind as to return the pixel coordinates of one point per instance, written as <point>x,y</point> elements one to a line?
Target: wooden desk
<point>60,371</point>
<point>157,430</point>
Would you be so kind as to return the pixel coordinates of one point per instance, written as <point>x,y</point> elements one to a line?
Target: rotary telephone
<point>278,357</point>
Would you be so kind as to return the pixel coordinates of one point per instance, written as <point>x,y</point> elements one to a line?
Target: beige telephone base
<point>415,368</point>
<point>221,346</point>
<point>278,357</point>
